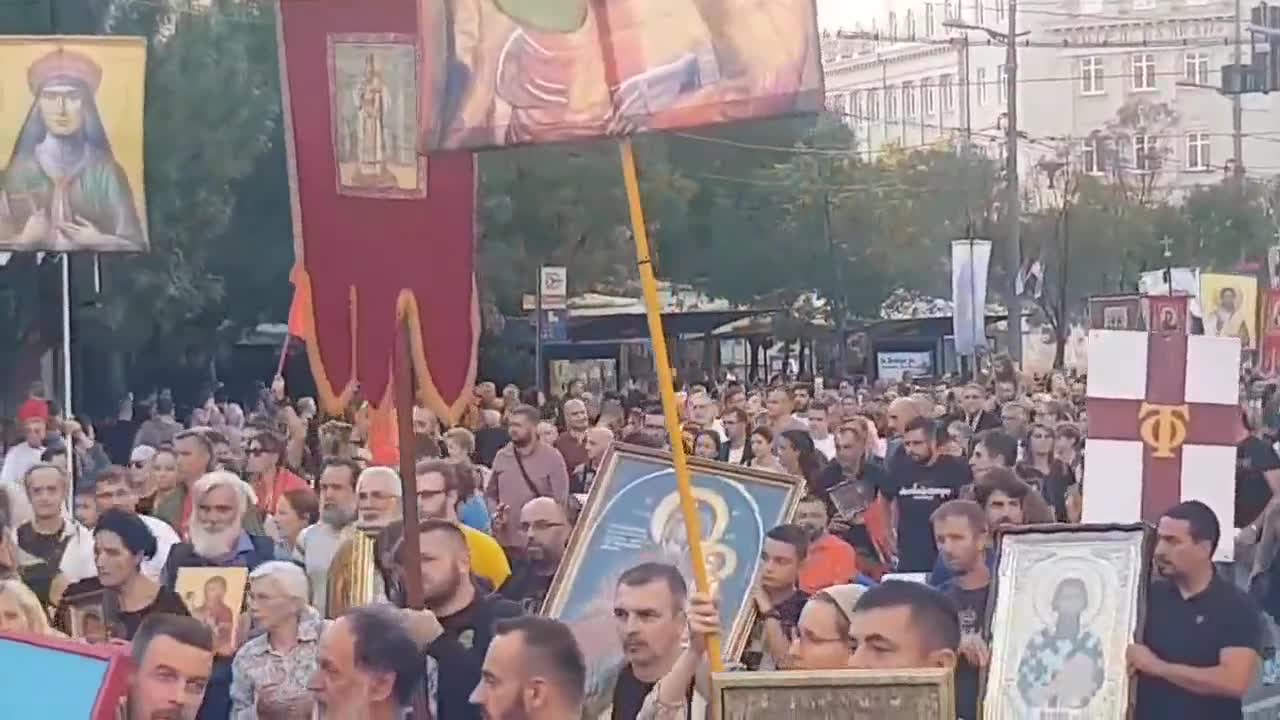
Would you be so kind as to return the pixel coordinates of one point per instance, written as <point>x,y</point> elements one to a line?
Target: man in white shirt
<point>112,490</point>
<point>819,416</point>
<point>318,543</point>
<point>24,455</point>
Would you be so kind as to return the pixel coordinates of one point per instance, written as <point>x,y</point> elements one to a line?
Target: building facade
<point>1104,86</point>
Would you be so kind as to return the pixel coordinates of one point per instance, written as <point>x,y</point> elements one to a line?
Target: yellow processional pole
<point>662,364</point>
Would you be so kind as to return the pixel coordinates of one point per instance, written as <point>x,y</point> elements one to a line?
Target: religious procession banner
<point>1230,307</point>
<point>1164,418</point>
<point>536,71</point>
<point>1116,312</point>
<point>1269,355</point>
<point>1167,313</point>
<point>380,233</point>
<point>71,113</point>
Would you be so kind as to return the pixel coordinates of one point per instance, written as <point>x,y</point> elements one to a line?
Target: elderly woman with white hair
<point>270,672</point>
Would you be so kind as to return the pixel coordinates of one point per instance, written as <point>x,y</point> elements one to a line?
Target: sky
<point>835,14</point>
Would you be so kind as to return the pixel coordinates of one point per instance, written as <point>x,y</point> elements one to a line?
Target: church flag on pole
<point>1164,420</point>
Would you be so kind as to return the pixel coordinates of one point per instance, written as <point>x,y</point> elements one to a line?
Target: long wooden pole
<point>410,552</point>
<point>662,364</point>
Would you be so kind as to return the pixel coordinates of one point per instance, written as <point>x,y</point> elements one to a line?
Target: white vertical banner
<point>969,261</point>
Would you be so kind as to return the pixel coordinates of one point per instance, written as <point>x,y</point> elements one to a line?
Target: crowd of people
<point>907,480</point>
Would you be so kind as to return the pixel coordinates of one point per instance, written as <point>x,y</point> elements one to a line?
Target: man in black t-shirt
<point>456,628</point>
<point>1257,473</point>
<point>917,488</point>
<point>1201,647</point>
<point>960,529</point>
<point>779,600</point>
<point>43,540</point>
<point>546,531</point>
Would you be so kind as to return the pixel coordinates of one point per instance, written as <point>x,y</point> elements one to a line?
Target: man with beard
<point>367,666</point>
<point>830,560</point>
<point>218,539</point>
<point>441,484</point>
<point>572,442</point>
<point>172,659</point>
<point>378,505</point>
<point>1201,647</point>
<point>317,543</point>
<point>917,488</point>
<point>525,469</point>
<point>546,531</point>
<point>803,395</point>
<point>960,529</point>
<point>534,670</point>
<point>997,450</point>
<point>649,617</point>
<point>457,625</point>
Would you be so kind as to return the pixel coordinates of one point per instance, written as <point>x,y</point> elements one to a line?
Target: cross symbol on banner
<point>1164,421</point>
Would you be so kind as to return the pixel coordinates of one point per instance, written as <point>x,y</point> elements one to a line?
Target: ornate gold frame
<point>827,681</point>
<point>553,605</point>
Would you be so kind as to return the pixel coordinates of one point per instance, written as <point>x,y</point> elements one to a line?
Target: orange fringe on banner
<point>334,401</point>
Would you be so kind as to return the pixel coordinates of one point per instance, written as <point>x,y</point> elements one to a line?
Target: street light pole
<point>1013,252</point>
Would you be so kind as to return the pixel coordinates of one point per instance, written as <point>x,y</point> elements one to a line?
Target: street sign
<point>553,284</point>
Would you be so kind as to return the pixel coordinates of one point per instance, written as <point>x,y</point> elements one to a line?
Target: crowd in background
<point>911,477</point>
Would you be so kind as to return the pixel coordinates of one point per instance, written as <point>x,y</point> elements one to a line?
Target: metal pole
<point>66,334</point>
<point>979,312</point>
<point>1237,109</point>
<point>966,109</point>
<point>841,309</point>
<point>537,343</point>
<point>1013,253</point>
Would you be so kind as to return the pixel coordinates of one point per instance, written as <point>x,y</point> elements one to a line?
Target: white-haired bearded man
<point>217,538</point>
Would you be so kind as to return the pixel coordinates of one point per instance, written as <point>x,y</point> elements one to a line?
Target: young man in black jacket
<point>456,628</point>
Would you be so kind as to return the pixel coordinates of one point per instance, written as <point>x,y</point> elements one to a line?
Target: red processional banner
<point>1167,313</point>
<point>381,233</point>
<point>1269,354</point>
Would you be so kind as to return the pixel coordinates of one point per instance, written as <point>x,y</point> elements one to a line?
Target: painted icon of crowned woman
<point>62,188</point>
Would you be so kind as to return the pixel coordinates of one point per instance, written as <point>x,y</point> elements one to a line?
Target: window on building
<point>911,25</point>
<point>1144,153</point>
<point>908,99</point>
<point>1091,76</point>
<point>1198,151</point>
<point>1002,84</point>
<point>999,8</point>
<point>929,99</point>
<point>1196,67</point>
<point>856,106</point>
<point>893,26</point>
<point>929,26</point>
<point>873,105</point>
<point>946,10</point>
<point>981,83</point>
<point>978,15</point>
<point>1144,71</point>
<point>1091,156</point>
<point>946,93</point>
<point>891,103</point>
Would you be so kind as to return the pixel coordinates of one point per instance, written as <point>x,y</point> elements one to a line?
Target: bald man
<point>598,440</point>
<point>546,533</point>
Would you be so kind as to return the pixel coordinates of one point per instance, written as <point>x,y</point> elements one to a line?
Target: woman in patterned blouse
<point>270,672</point>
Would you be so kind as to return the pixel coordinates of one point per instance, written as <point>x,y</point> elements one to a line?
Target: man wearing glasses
<point>441,488</point>
<point>546,532</point>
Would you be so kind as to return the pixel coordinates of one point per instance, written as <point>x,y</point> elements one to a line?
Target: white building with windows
<point>1106,84</point>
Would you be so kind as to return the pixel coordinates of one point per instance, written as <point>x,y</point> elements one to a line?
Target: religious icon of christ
<point>63,189</point>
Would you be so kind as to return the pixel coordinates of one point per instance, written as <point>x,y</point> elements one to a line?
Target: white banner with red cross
<point>1164,420</point>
